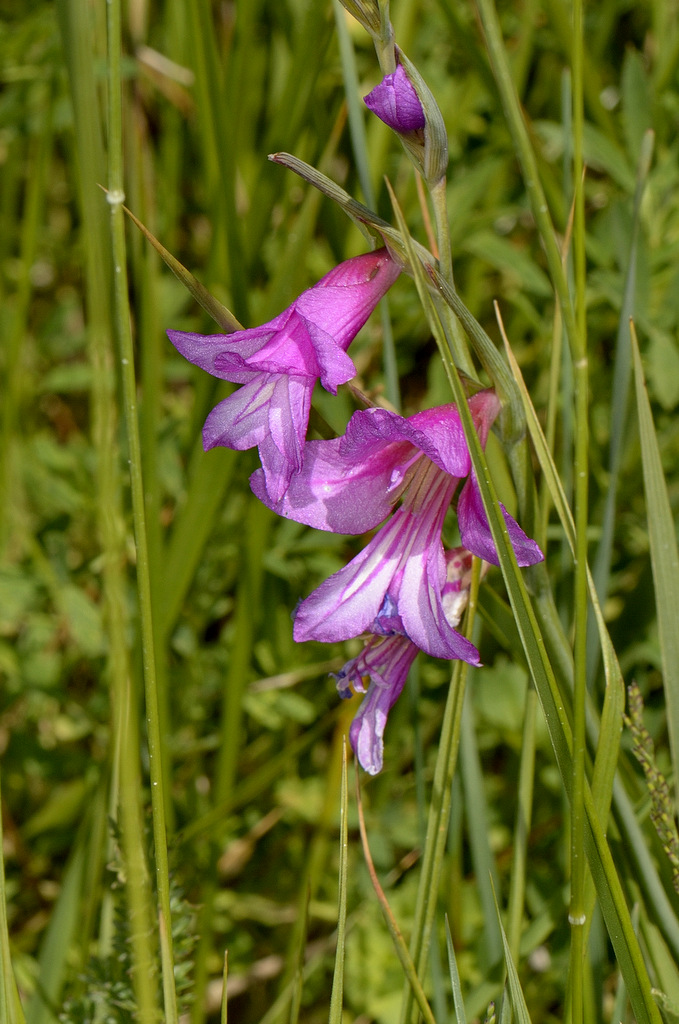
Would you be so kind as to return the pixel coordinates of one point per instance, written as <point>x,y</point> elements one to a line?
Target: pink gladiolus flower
<point>352,483</point>
<point>279,363</point>
<point>386,661</point>
<point>396,103</point>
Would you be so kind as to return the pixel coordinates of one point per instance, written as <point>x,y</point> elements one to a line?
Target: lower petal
<point>241,420</point>
<point>475,530</point>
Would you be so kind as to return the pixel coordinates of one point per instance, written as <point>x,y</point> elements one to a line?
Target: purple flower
<point>396,585</point>
<point>396,103</point>
<point>386,661</point>
<point>279,363</point>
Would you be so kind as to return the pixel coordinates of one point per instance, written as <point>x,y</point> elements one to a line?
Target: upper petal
<point>338,493</point>
<point>437,433</point>
<point>341,302</point>
<point>222,355</point>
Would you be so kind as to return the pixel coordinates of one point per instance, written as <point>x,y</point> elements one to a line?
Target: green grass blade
<point>478,829</point>
<point>518,1001</point>
<point>58,941</point>
<point>212,306</point>
<point>619,402</point>
<point>335,1016</point>
<point>664,555</point>
<point>11,1009</point>
<point>524,807</point>
<point>458,1001</point>
<point>210,475</point>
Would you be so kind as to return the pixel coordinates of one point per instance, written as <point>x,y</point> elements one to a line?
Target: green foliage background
<point>250,722</point>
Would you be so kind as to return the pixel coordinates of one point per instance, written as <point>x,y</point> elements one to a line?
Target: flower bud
<point>396,103</point>
<point>406,104</point>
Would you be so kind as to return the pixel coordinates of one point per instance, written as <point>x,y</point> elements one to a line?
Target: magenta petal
<point>340,304</point>
<point>347,603</point>
<point>241,420</point>
<point>422,611</point>
<point>387,663</point>
<point>339,494</point>
<point>210,351</point>
<point>396,102</point>
<point>281,450</point>
<point>475,531</point>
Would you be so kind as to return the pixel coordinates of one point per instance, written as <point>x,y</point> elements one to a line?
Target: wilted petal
<point>396,102</point>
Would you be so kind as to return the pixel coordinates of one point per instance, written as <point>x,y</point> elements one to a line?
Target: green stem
<point>576,914</point>
<point>439,809</point>
<point>115,198</point>
<point>359,145</point>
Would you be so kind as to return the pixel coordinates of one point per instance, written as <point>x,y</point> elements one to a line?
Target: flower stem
<point>576,914</point>
<point>439,809</point>
<point>115,198</point>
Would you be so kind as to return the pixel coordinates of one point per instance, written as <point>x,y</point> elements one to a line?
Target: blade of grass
<point>622,370</point>
<point>115,198</point>
<point>225,977</point>
<point>603,870</point>
<point>394,930</point>
<point>518,1001</point>
<point>36,177</point>
<point>664,555</point>
<point>59,938</point>
<point>524,807</point>
<point>478,830</point>
<point>11,1009</point>
<point>335,1015</point>
<point>439,809</point>
<point>458,1001</point>
<point>78,41</point>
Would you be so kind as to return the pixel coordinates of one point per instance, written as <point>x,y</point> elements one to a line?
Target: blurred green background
<point>251,723</point>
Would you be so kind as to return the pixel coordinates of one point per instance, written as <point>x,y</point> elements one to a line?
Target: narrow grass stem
<point>122,320</point>
<point>517,886</point>
<point>359,145</point>
<point>384,45</point>
<point>517,126</point>
<point>439,808</point>
<point>439,198</point>
<point>580,368</point>
<point>399,942</point>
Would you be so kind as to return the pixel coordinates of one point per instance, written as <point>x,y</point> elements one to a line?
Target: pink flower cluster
<point>403,592</point>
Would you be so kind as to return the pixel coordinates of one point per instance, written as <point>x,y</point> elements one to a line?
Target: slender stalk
<point>407,964</point>
<point>122,319</point>
<point>517,885</point>
<point>439,808</point>
<point>359,145</point>
<point>576,915</point>
<point>439,198</point>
